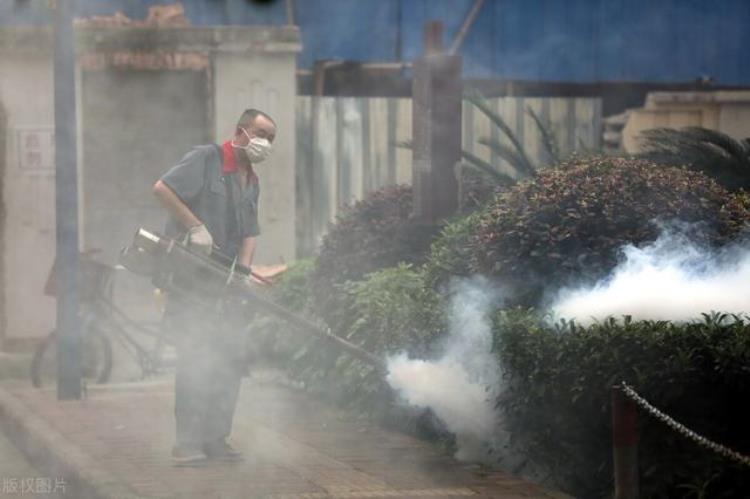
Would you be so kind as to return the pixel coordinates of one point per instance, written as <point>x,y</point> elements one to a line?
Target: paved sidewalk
<point>117,442</point>
<point>19,479</point>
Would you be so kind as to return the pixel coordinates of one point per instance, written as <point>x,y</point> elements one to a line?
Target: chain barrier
<point>682,429</point>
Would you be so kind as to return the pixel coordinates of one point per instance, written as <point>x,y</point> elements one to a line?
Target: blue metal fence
<point>544,40</point>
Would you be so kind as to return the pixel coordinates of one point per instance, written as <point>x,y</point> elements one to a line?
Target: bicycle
<point>101,322</point>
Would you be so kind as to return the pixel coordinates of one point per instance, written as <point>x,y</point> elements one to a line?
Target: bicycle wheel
<point>96,358</point>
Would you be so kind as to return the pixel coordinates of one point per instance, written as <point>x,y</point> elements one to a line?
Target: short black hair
<point>249,115</point>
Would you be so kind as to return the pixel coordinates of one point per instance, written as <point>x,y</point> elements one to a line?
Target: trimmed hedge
<point>567,225</point>
<point>557,402</point>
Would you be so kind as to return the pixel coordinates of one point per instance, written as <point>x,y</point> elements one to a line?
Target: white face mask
<point>257,149</point>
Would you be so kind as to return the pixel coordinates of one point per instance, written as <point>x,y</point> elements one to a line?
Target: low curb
<point>52,452</point>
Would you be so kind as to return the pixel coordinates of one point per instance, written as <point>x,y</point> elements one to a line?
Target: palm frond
<point>693,147</point>
<point>712,142</point>
<point>474,162</point>
<point>711,152</point>
<point>508,154</point>
<point>721,141</point>
<point>485,167</point>
<point>481,103</point>
<point>548,140</point>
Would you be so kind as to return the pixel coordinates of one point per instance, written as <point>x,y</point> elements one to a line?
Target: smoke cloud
<point>675,278</point>
<point>462,384</point>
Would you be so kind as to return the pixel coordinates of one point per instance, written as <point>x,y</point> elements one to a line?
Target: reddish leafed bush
<point>569,224</point>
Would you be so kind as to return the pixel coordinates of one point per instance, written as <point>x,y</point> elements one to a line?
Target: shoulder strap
<point>231,214</point>
<point>227,185</point>
<point>226,176</point>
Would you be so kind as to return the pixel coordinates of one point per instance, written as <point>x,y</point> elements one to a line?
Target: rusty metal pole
<point>66,206</point>
<point>436,129</point>
<point>624,445</point>
<point>466,26</point>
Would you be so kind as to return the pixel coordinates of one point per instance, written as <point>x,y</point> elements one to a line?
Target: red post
<point>624,445</point>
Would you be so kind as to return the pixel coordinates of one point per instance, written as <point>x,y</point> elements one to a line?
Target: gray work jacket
<point>199,182</point>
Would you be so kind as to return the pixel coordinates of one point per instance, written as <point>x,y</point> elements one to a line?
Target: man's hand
<point>263,275</point>
<point>268,273</point>
<point>200,238</point>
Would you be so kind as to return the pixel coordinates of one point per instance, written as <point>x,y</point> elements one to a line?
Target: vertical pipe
<point>399,49</point>
<point>66,207</point>
<point>465,27</point>
<point>391,120</point>
<point>3,141</point>
<point>342,167</point>
<point>624,445</point>
<point>291,18</point>
<point>367,163</point>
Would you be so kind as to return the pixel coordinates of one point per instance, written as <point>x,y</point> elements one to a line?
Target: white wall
<point>26,92</point>
<point>265,81</point>
<point>725,111</point>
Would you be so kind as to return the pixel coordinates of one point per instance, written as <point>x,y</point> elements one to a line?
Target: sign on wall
<point>36,148</point>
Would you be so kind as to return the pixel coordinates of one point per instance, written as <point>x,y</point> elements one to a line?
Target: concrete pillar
<point>28,183</point>
<point>69,355</point>
<point>256,68</point>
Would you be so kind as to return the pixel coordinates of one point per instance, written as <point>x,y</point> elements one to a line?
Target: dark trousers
<point>207,382</point>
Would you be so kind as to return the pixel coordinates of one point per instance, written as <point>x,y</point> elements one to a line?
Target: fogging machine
<point>180,270</point>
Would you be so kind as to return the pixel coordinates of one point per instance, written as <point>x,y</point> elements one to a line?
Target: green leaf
<point>481,103</point>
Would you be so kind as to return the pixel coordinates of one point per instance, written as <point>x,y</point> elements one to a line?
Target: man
<point>212,197</point>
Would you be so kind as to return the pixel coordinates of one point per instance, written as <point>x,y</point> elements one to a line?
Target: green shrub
<point>557,399</point>
<point>293,287</point>
<point>269,337</point>
<point>374,233</point>
<point>569,224</point>
<point>388,311</point>
<point>392,310</point>
<point>450,253</point>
